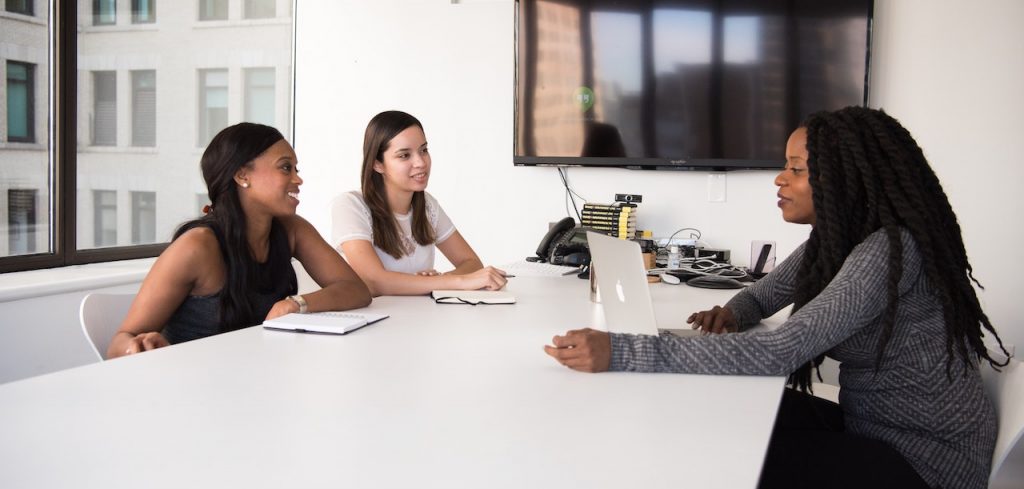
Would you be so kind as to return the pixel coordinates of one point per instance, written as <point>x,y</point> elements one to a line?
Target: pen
<point>510,276</point>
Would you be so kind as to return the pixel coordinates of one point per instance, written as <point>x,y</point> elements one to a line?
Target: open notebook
<point>332,322</point>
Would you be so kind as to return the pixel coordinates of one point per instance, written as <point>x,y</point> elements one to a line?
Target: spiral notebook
<point>331,322</point>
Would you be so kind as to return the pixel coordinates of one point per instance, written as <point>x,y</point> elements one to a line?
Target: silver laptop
<point>622,285</point>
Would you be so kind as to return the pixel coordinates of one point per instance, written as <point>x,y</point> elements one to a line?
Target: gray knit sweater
<point>943,425</point>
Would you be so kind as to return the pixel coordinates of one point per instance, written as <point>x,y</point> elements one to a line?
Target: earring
<point>245,184</point>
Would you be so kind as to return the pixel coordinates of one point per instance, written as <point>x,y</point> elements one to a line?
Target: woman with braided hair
<point>883,286</point>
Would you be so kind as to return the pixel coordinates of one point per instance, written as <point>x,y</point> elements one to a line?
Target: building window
<point>213,104</point>
<point>104,218</point>
<point>144,108</point>
<point>213,9</point>
<point>104,12</point>
<point>23,7</point>
<point>259,95</point>
<point>21,221</point>
<point>143,11</point>
<point>260,9</point>
<point>143,217</point>
<point>113,67</point>
<point>21,102</point>
<point>104,99</point>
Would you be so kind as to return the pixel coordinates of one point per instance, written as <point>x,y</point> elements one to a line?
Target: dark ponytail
<point>230,150</point>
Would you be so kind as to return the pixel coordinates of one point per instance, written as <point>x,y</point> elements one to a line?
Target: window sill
<point>93,29</point>
<point>36,283</point>
<point>214,24</point>
<point>119,149</point>
<point>22,146</point>
<point>31,19</point>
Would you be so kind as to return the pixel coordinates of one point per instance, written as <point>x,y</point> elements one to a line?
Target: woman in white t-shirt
<point>388,231</point>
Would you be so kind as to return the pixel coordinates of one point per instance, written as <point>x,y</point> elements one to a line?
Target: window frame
<point>62,85</point>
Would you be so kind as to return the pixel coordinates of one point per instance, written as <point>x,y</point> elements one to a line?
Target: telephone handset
<point>556,231</point>
<point>564,244</point>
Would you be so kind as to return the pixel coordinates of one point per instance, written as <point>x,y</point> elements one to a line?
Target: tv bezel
<point>649,164</point>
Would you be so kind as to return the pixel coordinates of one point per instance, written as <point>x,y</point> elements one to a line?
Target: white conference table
<point>446,396</point>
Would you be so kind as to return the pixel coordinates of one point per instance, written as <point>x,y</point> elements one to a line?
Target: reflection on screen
<point>682,79</point>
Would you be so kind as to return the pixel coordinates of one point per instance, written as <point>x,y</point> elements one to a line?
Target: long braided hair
<point>230,150</point>
<point>867,173</point>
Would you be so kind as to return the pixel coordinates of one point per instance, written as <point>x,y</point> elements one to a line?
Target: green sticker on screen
<point>584,98</point>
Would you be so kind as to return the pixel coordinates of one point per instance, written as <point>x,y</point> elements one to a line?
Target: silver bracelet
<point>301,301</point>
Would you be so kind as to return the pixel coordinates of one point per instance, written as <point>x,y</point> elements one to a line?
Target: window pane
<point>104,218</point>
<point>20,103</point>
<point>104,96</point>
<point>104,12</point>
<point>25,195</point>
<point>143,217</point>
<point>260,9</point>
<point>144,108</point>
<point>151,99</point>
<point>213,104</point>
<point>259,95</point>
<point>213,9</point>
<point>143,11</point>
<point>20,6</point>
<point>21,221</point>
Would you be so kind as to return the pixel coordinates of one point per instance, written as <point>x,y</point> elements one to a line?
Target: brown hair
<point>386,235</point>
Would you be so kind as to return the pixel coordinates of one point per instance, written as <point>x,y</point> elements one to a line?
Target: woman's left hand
<point>428,273</point>
<point>282,307</point>
<point>586,350</point>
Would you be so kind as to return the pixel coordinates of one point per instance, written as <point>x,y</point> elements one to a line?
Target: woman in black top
<point>231,268</point>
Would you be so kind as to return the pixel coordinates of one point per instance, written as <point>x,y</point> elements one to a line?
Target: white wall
<point>948,69</point>
<point>452,67</point>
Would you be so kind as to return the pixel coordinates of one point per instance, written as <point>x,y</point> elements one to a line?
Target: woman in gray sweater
<point>883,286</point>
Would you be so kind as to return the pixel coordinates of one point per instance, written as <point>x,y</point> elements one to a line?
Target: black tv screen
<point>681,84</point>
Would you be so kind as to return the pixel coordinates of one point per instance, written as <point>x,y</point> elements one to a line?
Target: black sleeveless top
<point>199,316</point>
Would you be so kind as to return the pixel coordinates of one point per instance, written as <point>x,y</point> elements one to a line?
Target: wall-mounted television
<point>681,84</point>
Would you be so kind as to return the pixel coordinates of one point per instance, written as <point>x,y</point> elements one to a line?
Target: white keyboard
<point>534,269</point>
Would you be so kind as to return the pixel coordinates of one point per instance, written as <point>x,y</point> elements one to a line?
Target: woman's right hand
<point>141,342</point>
<point>718,320</point>
<point>486,278</point>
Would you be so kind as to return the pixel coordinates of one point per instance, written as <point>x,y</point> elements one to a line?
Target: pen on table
<point>510,276</point>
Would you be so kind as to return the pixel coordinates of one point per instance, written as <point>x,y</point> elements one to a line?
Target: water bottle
<point>673,257</point>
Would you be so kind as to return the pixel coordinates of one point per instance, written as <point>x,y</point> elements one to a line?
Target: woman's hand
<point>282,307</point>
<point>428,273</point>
<point>718,320</point>
<point>586,350</point>
<point>143,342</point>
<point>487,278</point>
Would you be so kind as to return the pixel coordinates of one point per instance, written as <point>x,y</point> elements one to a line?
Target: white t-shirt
<point>350,219</point>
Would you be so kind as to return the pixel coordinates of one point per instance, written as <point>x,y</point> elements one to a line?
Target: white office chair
<point>101,315</point>
<point>1006,390</point>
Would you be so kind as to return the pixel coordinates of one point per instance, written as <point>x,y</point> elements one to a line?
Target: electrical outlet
<point>716,187</point>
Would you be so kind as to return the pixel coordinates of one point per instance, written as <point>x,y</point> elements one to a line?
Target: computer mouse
<point>715,282</point>
<point>670,279</point>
